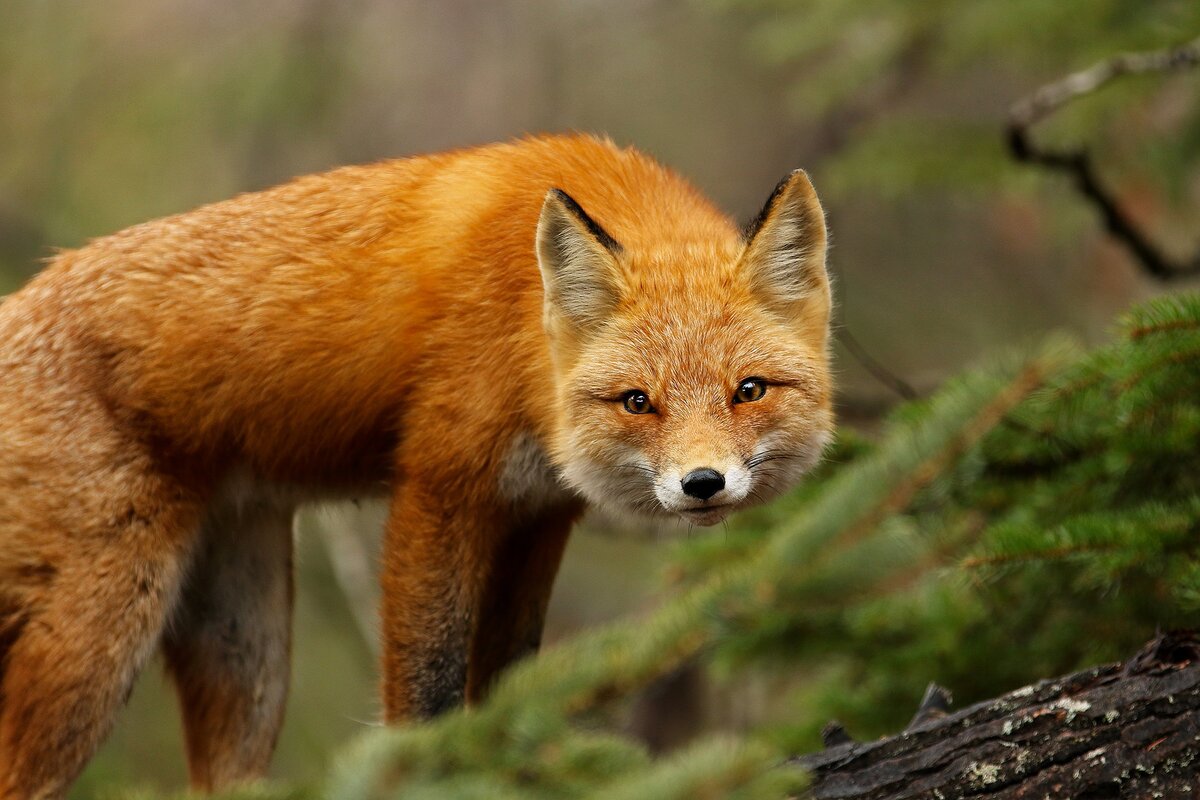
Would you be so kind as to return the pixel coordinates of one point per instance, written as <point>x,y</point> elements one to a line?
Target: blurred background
<point>945,248</point>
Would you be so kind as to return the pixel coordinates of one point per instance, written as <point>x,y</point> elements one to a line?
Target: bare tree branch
<point>874,367</point>
<point>1025,113</point>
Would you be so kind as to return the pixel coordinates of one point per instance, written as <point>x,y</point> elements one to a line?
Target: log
<point>1129,729</point>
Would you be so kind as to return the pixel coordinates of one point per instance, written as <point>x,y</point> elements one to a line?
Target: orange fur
<point>169,393</point>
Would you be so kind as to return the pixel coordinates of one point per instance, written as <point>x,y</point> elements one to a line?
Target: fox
<point>493,339</point>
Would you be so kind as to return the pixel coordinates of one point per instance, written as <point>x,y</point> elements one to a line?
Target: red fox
<point>492,338</point>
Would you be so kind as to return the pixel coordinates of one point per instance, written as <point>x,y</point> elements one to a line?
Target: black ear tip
<point>796,177</point>
<point>752,227</point>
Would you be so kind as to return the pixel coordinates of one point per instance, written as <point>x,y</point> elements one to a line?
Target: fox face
<point>693,378</point>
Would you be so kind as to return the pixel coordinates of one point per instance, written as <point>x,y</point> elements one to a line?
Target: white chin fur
<point>705,517</point>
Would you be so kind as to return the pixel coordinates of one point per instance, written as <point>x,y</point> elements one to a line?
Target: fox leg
<point>465,590</point>
<point>89,579</point>
<point>431,555</point>
<point>229,644</point>
<point>513,607</point>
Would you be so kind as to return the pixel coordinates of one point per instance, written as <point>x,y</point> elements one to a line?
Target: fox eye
<point>636,402</point>
<point>750,390</point>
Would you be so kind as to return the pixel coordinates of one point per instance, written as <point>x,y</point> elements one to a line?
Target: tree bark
<point>1120,730</point>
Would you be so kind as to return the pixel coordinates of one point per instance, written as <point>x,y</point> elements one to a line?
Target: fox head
<point>693,379</point>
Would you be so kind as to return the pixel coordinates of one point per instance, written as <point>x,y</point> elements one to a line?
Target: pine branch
<point>1037,555</point>
<point>1138,535</point>
<point>857,499</point>
<point>1180,312</point>
<point>715,768</point>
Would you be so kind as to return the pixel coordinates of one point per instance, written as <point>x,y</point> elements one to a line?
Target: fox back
<point>491,338</point>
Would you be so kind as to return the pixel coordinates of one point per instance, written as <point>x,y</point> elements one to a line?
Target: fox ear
<point>577,260</point>
<point>785,253</point>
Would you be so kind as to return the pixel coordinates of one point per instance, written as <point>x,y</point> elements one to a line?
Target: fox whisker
<point>636,468</point>
<point>770,455</point>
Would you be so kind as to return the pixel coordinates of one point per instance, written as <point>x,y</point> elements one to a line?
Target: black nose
<point>703,483</point>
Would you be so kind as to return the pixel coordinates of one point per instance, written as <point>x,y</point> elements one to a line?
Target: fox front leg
<point>465,591</point>
<point>513,607</point>
<point>434,560</point>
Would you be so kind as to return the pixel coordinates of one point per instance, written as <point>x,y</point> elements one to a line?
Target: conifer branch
<point>1045,554</point>
<point>713,768</point>
<point>1168,359</point>
<point>922,463</point>
<point>1164,327</point>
